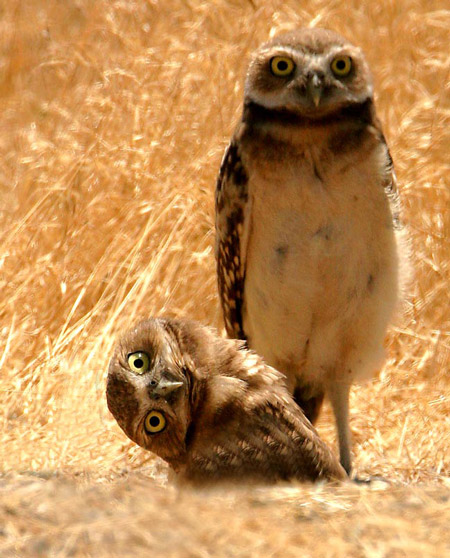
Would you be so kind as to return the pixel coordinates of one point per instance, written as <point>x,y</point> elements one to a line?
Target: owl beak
<point>166,386</point>
<point>315,89</point>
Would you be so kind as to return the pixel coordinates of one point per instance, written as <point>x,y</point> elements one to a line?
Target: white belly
<point>321,273</point>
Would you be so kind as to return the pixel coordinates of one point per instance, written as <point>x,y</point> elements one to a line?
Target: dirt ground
<point>134,516</point>
<point>114,116</point>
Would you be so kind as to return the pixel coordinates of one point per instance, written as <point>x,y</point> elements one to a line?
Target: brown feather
<point>233,421</point>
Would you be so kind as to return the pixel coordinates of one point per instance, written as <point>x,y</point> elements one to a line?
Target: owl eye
<point>138,362</point>
<point>281,66</point>
<point>154,422</point>
<point>341,66</point>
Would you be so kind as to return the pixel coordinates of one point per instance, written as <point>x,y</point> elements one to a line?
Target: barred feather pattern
<point>231,211</point>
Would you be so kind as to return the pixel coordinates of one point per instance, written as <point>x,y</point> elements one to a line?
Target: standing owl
<point>213,410</point>
<point>307,225</point>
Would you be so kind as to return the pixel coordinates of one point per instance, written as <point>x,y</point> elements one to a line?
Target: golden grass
<point>114,116</point>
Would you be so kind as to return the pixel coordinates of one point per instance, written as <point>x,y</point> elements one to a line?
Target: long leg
<point>339,393</point>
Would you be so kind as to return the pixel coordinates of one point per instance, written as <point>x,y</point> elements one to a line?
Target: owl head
<point>148,389</point>
<point>311,72</point>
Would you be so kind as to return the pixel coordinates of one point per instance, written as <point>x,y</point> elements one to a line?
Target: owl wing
<point>391,188</point>
<point>232,231</point>
<point>274,442</point>
<point>389,182</point>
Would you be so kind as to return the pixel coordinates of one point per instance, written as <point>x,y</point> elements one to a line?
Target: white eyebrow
<point>292,51</point>
<point>277,49</point>
<point>142,396</point>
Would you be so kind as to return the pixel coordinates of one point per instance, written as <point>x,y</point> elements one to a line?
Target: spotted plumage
<point>308,233</point>
<point>210,408</point>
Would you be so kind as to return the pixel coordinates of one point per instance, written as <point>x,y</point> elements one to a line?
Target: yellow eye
<point>281,66</point>
<point>341,66</point>
<point>154,422</point>
<point>138,362</point>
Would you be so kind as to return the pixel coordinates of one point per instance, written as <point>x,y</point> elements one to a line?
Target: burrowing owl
<point>213,410</point>
<point>307,221</point>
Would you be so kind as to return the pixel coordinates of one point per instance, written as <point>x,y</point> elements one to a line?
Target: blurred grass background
<point>114,116</point>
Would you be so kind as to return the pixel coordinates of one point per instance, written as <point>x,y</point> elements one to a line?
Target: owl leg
<point>310,405</point>
<point>339,393</point>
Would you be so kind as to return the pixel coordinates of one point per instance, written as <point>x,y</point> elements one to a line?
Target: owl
<point>214,411</point>
<point>307,221</point>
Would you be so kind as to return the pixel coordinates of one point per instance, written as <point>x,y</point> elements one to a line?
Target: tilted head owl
<point>311,72</point>
<point>213,410</point>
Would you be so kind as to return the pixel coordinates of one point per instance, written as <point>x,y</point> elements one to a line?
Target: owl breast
<point>322,236</point>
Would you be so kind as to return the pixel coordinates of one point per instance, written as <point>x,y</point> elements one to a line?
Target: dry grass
<point>135,518</point>
<point>114,116</point>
